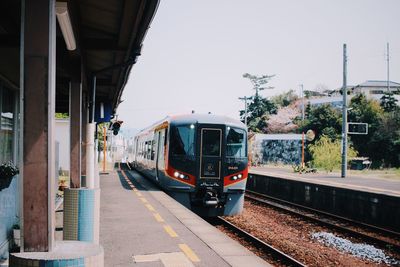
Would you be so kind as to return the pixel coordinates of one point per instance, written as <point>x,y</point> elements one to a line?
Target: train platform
<point>366,182</point>
<point>142,226</point>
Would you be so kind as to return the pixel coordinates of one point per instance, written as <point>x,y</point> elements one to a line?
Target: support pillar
<point>83,131</point>
<point>38,98</point>
<point>90,155</point>
<point>75,129</point>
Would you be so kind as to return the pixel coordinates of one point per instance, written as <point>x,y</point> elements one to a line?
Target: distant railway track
<point>274,253</point>
<point>341,224</point>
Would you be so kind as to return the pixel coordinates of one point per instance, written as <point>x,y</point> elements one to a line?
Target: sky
<point>196,52</point>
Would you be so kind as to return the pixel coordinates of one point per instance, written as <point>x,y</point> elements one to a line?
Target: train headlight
<point>234,177</point>
<point>191,126</point>
<point>176,174</point>
<point>240,176</point>
<point>181,176</point>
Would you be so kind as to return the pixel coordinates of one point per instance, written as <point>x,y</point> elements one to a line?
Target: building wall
<point>276,148</point>
<point>376,92</point>
<point>62,137</point>
<point>9,214</point>
<point>9,197</point>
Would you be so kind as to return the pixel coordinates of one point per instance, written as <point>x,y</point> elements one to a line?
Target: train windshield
<point>182,140</point>
<point>236,143</point>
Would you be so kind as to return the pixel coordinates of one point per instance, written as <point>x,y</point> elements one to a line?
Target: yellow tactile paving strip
<point>164,257</point>
<point>189,252</point>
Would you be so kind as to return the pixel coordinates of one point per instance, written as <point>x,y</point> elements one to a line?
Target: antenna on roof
<point>192,111</point>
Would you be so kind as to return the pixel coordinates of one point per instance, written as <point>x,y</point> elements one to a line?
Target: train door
<point>135,149</point>
<point>160,153</point>
<point>210,153</point>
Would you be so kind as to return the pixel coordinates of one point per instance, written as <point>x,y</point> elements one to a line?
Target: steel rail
<point>258,243</point>
<point>386,232</point>
<point>325,222</point>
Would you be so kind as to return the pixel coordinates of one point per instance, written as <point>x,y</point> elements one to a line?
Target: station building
<point>70,57</point>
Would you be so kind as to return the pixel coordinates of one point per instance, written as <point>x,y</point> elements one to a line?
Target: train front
<point>212,157</point>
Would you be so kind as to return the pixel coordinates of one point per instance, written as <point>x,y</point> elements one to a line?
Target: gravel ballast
<point>359,250</point>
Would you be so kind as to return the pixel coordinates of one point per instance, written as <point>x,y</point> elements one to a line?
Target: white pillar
<point>90,155</point>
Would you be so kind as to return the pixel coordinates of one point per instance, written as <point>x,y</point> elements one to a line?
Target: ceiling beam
<point>99,44</point>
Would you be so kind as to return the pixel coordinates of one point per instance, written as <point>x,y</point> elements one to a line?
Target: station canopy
<point>107,33</point>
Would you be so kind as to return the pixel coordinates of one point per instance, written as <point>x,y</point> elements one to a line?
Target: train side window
<point>165,136</point>
<point>153,148</point>
<point>149,145</point>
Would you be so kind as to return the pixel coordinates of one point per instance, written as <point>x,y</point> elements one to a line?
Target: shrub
<point>326,153</point>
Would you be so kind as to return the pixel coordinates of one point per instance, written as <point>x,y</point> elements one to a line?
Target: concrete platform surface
<point>359,182</point>
<point>142,226</point>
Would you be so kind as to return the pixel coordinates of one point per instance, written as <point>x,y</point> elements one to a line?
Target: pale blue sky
<point>196,52</point>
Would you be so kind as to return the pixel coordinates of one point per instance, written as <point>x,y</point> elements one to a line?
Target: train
<point>201,160</point>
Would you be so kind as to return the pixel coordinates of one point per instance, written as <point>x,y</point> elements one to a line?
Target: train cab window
<point>211,142</point>
<point>182,140</point>
<point>236,143</point>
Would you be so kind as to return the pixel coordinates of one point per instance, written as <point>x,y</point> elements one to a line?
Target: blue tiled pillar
<point>81,214</point>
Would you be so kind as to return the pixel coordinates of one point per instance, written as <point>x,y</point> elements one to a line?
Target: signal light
<point>116,126</point>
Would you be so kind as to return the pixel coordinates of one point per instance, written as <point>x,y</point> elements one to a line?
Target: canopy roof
<point>107,33</point>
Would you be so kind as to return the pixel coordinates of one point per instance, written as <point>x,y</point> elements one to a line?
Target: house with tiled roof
<point>376,89</point>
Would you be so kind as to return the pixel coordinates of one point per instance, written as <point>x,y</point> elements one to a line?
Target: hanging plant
<point>7,171</point>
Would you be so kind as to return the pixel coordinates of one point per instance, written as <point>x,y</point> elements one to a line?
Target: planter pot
<point>5,182</point>
<point>17,237</point>
<point>62,187</point>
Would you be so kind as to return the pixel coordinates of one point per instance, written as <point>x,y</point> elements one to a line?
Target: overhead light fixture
<point>65,24</point>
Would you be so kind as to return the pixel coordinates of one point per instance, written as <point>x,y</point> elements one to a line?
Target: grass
<point>392,173</point>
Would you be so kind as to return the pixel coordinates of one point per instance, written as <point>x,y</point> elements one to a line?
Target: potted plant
<point>62,184</point>
<point>7,172</point>
<point>17,235</point>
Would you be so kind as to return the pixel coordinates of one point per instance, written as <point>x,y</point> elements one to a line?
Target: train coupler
<point>210,199</point>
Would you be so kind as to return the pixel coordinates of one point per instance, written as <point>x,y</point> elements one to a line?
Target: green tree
<point>62,115</point>
<point>326,153</point>
<point>388,102</point>
<point>384,143</point>
<point>323,119</point>
<point>259,107</point>
<point>257,113</point>
<point>258,82</point>
<point>366,111</point>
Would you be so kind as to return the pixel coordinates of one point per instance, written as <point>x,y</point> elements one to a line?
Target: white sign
<point>357,128</point>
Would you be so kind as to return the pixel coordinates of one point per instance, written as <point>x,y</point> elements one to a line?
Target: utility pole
<point>302,120</point>
<point>302,102</point>
<point>344,116</point>
<point>388,58</point>
<point>245,107</point>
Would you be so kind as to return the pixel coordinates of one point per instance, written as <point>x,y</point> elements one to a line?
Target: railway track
<point>274,253</point>
<point>331,221</point>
